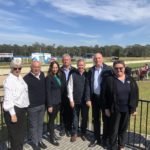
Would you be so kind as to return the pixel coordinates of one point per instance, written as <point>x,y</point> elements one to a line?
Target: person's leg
<point>75,122</point>
<point>106,129</point>
<point>62,124</point>
<point>33,124</point>
<point>84,116</point>
<point>16,130</point>
<point>114,121</point>
<point>52,117</point>
<point>41,113</point>
<point>96,120</point>
<point>123,128</point>
<point>68,117</point>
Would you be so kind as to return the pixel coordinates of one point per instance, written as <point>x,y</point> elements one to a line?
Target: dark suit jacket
<point>53,90</point>
<point>65,83</point>
<point>90,84</point>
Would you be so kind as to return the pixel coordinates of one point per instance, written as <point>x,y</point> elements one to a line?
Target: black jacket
<point>109,94</point>
<point>90,84</point>
<point>53,90</point>
<point>36,88</point>
<point>79,86</point>
<point>65,83</point>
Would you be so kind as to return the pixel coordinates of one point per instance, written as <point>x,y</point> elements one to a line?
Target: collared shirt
<point>37,76</point>
<point>97,80</point>
<point>15,93</point>
<point>66,71</point>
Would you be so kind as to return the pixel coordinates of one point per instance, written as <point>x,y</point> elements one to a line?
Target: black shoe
<point>35,147</point>
<point>93,143</point>
<point>62,133</point>
<point>56,137</point>
<point>105,143</point>
<point>42,145</point>
<point>83,137</point>
<point>68,133</point>
<point>54,142</point>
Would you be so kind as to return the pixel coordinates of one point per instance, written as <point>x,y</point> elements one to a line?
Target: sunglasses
<point>17,68</point>
<point>119,68</point>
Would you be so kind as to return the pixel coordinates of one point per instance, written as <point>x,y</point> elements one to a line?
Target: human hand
<point>72,104</point>
<point>107,112</point>
<point>134,113</point>
<point>88,103</point>
<point>14,118</point>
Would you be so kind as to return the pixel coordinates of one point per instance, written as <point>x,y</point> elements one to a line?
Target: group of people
<point>110,91</point>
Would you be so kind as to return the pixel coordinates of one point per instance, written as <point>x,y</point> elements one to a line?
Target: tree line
<point>112,50</point>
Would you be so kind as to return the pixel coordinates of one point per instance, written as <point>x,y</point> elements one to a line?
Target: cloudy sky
<point>75,22</point>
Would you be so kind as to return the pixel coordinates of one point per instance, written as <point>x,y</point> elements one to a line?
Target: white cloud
<point>140,32</point>
<point>85,35</point>
<point>22,38</point>
<point>11,21</point>
<point>126,11</point>
<point>58,17</point>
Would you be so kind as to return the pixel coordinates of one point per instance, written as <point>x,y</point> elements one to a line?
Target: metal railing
<point>138,131</point>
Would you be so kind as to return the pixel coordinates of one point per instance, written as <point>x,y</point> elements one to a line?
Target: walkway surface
<point>65,144</point>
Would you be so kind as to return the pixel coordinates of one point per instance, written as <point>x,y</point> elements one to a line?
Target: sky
<point>75,22</point>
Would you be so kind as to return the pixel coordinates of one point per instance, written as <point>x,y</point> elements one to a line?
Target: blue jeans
<point>84,118</point>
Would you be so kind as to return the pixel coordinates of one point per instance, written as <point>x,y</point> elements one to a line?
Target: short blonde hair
<point>17,62</point>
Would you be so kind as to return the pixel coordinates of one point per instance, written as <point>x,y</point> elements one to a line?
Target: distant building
<point>42,57</point>
<point>6,57</point>
<point>88,55</point>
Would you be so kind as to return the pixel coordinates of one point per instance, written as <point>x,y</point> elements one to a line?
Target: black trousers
<point>106,126</point>
<point>52,117</point>
<point>119,124</point>
<point>96,114</point>
<point>16,130</point>
<point>66,115</point>
<point>84,118</point>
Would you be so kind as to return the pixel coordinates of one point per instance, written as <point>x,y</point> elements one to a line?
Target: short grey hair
<point>17,62</point>
<point>66,55</point>
<point>80,60</point>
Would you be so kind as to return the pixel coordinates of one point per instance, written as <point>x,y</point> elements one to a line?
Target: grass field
<point>141,123</point>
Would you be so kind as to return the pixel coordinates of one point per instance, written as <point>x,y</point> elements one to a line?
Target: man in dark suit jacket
<point>65,110</point>
<point>95,77</point>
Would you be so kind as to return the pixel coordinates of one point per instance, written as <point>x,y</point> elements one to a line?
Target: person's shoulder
<point>91,69</point>
<point>27,76</point>
<point>8,81</point>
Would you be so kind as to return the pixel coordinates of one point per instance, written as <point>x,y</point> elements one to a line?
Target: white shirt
<point>37,76</point>
<point>70,89</point>
<point>15,93</point>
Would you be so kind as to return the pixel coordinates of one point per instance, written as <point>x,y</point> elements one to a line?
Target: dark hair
<point>118,62</point>
<point>50,72</point>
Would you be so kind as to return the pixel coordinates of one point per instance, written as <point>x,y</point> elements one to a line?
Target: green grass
<point>141,124</point>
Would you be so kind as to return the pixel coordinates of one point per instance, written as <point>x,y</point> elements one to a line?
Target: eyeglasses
<point>17,68</point>
<point>119,68</point>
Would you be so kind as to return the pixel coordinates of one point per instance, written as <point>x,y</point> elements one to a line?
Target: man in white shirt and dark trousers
<point>37,96</point>
<point>65,109</point>
<point>76,94</point>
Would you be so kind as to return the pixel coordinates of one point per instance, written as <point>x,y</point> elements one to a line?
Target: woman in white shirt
<point>15,101</point>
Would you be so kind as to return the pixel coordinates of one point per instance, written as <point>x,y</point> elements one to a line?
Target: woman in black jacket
<point>120,94</point>
<point>54,87</point>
